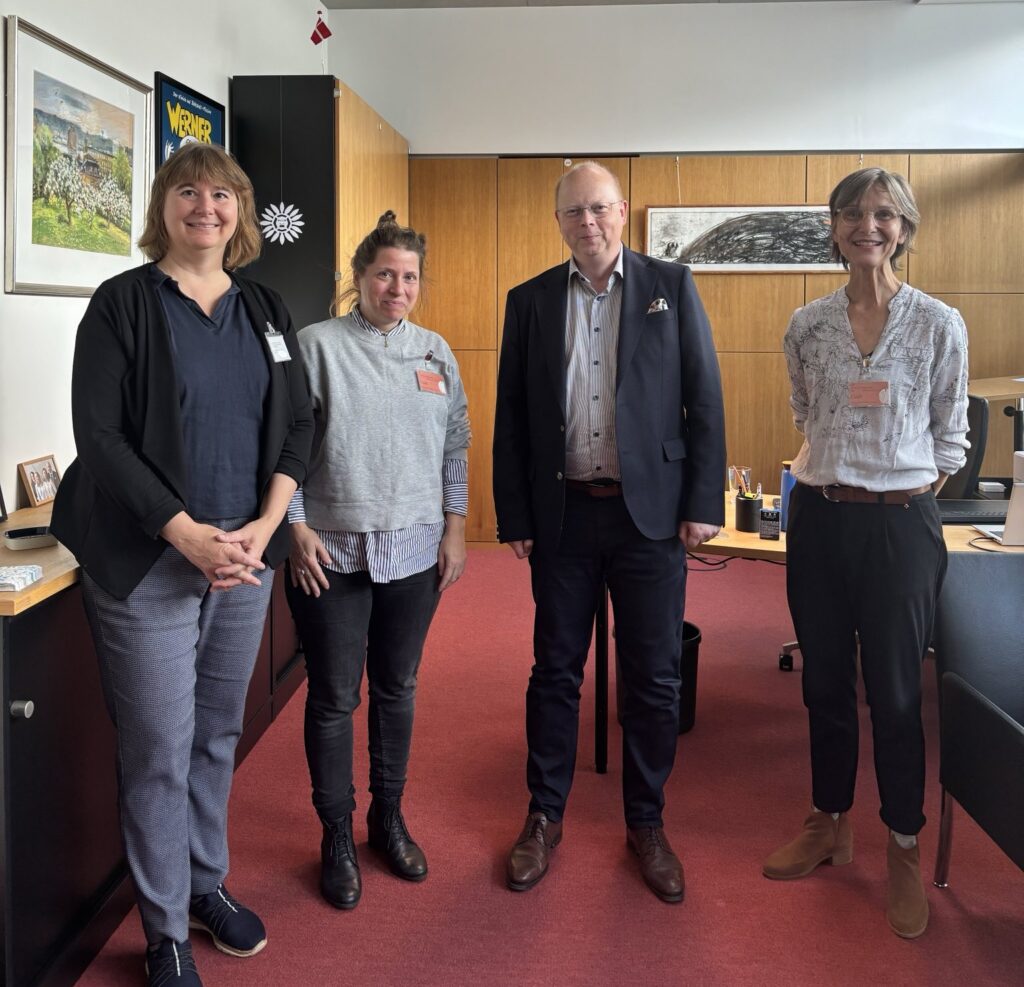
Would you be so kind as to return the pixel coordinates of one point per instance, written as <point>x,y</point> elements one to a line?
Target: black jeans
<point>357,622</point>
<point>870,572</point>
<point>646,580</point>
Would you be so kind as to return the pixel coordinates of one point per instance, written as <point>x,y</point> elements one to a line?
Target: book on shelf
<point>16,577</point>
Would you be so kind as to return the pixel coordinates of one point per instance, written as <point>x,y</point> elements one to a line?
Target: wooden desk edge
<point>60,569</point>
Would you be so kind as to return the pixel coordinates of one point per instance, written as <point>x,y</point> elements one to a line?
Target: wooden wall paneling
<point>970,237</point>
<point>653,181</point>
<point>750,312</point>
<point>995,343</point>
<point>528,237</point>
<point>453,201</point>
<point>742,179</point>
<point>619,167</point>
<point>759,430</point>
<point>819,285</point>
<point>479,369</point>
<point>373,174</point>
<point>824,171</point>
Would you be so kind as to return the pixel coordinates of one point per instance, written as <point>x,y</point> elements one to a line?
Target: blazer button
<point>558,476</point>
<point>561,428</point>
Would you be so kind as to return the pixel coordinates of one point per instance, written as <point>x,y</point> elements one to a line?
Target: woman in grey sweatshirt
<point>378,533</point>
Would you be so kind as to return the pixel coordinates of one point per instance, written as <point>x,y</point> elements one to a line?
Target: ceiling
<point>422,4</point>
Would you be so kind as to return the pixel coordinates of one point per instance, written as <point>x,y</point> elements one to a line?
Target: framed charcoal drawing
<point>742,238</point>
<point>183,116</point>
<point>77,166</point>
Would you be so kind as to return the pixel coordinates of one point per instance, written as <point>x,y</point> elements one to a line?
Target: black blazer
<point>129,478</point>
<point>669,420</point>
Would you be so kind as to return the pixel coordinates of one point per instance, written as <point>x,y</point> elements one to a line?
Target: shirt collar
<point>574,270</point>
<point>360,321</point>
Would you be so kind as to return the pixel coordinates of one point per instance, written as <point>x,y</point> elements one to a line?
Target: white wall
<point>199,42</point>
<point>691,77</point>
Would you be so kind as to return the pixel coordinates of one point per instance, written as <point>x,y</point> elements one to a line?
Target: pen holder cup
<point>748,513</point>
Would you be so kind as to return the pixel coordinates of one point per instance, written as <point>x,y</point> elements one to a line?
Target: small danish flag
<point>321,32</point>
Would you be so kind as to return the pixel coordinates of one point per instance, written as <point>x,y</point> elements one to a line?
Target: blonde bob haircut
<point>855,186</point>
<point>189,165</point>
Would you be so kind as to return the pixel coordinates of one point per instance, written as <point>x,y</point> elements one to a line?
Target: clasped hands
<point>226,558</point>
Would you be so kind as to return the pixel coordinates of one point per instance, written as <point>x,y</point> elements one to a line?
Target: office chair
<point>979,649</point>
<point>963,485</point>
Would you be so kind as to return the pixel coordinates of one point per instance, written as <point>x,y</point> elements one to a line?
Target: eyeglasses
<point>596,209</point>
<point>854,214</point>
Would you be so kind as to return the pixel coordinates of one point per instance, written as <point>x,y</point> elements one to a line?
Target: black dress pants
<point>355,623</point>
<point>646,580</point>
<point>870,572</point>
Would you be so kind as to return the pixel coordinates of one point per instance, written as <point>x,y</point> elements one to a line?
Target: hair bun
<point>387,219</point>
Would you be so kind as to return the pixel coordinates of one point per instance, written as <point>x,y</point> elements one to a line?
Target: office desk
<point>730,543</point>
<point>999,392</point>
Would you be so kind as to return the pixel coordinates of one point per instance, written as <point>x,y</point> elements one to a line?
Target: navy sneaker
<point>236,930</point>
<point>170,964</point>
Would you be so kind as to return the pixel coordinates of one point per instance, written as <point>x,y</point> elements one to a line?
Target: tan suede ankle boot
<point>823,839</point>
<point>908,907</point>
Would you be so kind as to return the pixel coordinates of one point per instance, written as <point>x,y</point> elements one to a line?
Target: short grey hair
<point>855,186</point>
<point>588,166</point>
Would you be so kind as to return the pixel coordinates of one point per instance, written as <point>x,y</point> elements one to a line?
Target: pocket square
<point>658,305</point>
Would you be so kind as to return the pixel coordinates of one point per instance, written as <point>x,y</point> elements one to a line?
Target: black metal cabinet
<point>283,135</point>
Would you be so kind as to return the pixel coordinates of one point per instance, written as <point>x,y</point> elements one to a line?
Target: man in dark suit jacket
<point>609,462</point>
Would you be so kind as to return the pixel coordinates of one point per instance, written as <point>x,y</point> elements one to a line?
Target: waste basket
<point>687,674</point>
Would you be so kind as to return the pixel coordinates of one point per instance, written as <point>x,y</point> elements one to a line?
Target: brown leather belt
<point>839,494</point>
<point>605,488</point>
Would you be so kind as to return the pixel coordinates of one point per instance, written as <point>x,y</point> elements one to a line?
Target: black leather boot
<point>389,836</point>
<point>340,883</point>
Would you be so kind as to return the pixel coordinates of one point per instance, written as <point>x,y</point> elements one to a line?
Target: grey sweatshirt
<point>380,440</point>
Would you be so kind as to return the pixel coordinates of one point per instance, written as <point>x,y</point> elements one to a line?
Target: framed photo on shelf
<point>40,477</point>
<point>183,116</point>
<point>78,144</point>
<point>742,238</point>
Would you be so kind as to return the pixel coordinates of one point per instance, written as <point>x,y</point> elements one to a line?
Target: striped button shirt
<point>591,350</point>
<point>390,555</point>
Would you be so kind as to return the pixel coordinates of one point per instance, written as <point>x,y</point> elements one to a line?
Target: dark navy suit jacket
<point>669,419</point>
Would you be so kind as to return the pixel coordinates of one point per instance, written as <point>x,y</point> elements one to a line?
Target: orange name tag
<point>869,393</point>
<point>429,381</point>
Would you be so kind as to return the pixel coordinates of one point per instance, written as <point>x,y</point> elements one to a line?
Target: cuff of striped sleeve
<point>454,487</point>
<point>297,508</point>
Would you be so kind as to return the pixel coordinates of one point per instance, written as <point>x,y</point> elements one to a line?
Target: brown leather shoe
<point>661,868</point>
<point>528,861</point>
<point>908,907</point>
<point>822,840</point>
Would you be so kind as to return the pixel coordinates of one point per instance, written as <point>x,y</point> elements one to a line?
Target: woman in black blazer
<point>193,428</point>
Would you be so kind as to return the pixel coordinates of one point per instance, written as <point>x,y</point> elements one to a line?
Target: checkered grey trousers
<point>175,662</point>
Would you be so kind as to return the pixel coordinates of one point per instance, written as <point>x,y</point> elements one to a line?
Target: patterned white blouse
<point>919,429</point>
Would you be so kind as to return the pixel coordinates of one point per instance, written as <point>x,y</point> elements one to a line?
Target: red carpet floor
<point>740,788</point>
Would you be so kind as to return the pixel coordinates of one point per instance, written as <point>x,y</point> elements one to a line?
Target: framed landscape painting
<point>77,166</point>
<point>742,238</point>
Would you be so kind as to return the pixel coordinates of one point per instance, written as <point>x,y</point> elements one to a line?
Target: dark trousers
<point>647,581</point>
<point>870,572</point>
<point>355,623</point>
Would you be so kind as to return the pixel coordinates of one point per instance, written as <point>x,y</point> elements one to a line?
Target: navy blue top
<point>223,379</point>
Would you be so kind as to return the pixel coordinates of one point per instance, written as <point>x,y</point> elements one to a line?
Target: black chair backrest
<point>962,484</point>
<point>979,626</point>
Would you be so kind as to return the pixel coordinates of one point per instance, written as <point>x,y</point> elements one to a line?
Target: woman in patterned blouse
<point>879,390</point>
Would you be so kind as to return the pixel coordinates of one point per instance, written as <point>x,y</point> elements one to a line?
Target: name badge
<point>869,393</point>
<point>278,347</point>
<point>429,381</point>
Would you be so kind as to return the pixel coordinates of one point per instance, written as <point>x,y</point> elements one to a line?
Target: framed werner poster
<point>184,116</point>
